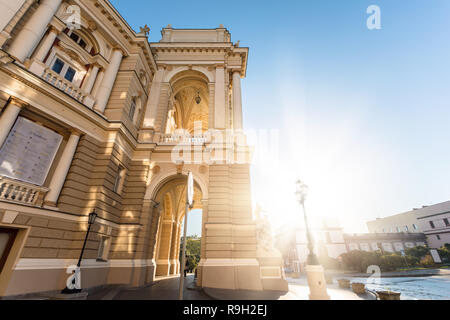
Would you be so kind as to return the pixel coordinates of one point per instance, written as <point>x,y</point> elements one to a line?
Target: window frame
<point>65,68</point>
<point>104,249</point>
<point>133,108</point>
<point>119,180</point>
<point>87,46</point>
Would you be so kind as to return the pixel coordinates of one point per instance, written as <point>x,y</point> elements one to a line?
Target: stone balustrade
<point>21,192</point>
<point>183,139</point>
<point>64,85</point>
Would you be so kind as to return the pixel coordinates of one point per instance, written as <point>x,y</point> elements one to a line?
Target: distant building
<point>433,221</point>
<point>386,242</point>
<point>331,242</point>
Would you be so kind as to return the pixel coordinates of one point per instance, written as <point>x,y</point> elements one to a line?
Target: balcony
<point>21,192</point>
<point>64,85</point>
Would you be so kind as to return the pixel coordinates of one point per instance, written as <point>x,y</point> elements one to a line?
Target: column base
<point>162,268</point>
<point>317,283</point>
<point>50,204</point>
<point>37,68</point>
<point>272,273</point>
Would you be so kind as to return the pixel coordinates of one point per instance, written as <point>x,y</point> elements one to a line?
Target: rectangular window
<point>432,225</point>
<point>415,227</point>
<point>103,249</point>
<point>58,66</point>
<point>74,37</point>
<point>7,237</point>
<point>132,109</point>
<point>438,237</point>
<point>447,223</point>
<point>70,74</point>
<point>406,229</point>
<point>120,177</point>
<point>82,44</point>
<point>398,230</point>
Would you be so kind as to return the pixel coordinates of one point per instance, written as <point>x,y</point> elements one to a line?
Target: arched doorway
<point>172,199</point>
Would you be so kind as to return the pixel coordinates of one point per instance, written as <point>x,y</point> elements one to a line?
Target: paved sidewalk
<point>299,290</point>
<point>167,289</point>
<point>162,289</point>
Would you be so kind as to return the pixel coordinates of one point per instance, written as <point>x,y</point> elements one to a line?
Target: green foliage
<point>392,262</point>
<point>360,260</point>
<point>427,261</point>
<point>444,252</point>
<point>193,249</point>
<point>418,252</point>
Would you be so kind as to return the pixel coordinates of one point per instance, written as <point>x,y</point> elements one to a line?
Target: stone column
<point>219,101</point>
<point>47,44</point>
<point>153,100</point>
<point>98,82</point>
<point>30,35</point>
<point>60,174</point>
<point>89,84</point>
<point>163,262</point>
<point>237,101</point>
<point>173,249</point>
<point>8,118</point>
<point>109,78</point>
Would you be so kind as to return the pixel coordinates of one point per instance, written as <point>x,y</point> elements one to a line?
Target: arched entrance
<point>172,199</point>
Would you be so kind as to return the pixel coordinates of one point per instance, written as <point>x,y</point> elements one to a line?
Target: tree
<point>418,252</point>
<point>193,250</point>
<point>444,253</point>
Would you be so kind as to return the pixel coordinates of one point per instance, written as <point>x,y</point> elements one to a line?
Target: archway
<point>189,107</point>
<point>172,199</point>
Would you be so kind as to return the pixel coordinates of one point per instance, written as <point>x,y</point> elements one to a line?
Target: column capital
<point>18,103</point>
<point>76,132</point>
<point>117,49</point>
<point>53,29</point>
<point>236,70</point>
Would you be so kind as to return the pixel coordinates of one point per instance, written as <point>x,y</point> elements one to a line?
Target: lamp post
<point>314,271</point>
<point>189,205</point>
<point>302,193</point>
<point>91,221</point>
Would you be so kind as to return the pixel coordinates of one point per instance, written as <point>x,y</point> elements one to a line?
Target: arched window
<point>81,40</point>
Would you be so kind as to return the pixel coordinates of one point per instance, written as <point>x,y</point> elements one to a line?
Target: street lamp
<point>91,221</point>
<point>314,271</point>
<point>302,193</point>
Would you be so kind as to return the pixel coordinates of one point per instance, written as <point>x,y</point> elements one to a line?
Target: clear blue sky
<point>363,116</point>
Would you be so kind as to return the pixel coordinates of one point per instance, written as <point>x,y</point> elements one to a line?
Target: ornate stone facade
<point>134,117</point>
